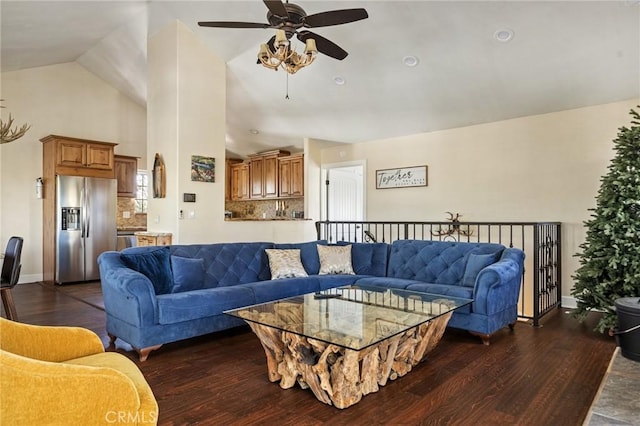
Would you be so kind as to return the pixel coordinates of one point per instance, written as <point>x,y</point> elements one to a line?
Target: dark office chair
<point>10,274</point>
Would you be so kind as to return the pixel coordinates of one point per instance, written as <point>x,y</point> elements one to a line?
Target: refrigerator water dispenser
<point>70,219</point>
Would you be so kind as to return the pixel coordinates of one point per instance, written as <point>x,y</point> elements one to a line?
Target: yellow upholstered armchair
<point>62,375</point>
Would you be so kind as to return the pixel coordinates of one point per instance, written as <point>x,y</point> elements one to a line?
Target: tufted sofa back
<point>228,264</point>
<point>437,262</point>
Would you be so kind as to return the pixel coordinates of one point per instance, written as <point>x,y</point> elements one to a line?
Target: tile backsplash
<point>134,220</point>
<point>251,209</point>
<point>258,209</point>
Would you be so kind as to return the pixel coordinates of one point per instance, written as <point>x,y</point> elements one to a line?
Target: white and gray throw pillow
<point>335,260</point>
<point>285,263</point>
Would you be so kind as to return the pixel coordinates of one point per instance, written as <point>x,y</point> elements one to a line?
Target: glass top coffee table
<point>345,342</point>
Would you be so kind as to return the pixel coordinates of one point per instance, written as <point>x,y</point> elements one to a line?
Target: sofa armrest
<point>497,287</point>
<point>40,392</point>
<point>128,294</point>
<point>48,343</point>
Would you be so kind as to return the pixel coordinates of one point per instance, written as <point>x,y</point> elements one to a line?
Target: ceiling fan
<point>292,19</point>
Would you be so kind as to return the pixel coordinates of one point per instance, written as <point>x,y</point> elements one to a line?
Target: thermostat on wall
<point>189,198</point>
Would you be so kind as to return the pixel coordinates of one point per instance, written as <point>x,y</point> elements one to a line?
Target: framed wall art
<point>402,177</point>
<point>203,169</point>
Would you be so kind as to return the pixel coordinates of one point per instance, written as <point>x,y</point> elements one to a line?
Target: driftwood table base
<point>339,376</point>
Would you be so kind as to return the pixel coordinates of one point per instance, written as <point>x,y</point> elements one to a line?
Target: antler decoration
<point>7,134</point>
<point>454,228</point>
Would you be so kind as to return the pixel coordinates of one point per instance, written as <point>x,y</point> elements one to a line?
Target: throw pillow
<point>285,263</point>
<point>475,264</point>
<point>335,260</point>
<point>308,254</point>
<point>154,264</point>
<point>188,273</point>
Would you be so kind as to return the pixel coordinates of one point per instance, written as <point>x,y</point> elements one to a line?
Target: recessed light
<point>504,35</point>
<point>410,61</point>
<point>253,131</point>
<point>340,81</point>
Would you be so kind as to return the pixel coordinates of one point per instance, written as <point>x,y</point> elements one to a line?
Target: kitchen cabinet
<point>126,169</point>
<point>240,181</point>
<point>291,176</point>
<point>264,172</point>
<point>228,187</point>
<point>78,157</point>
<point>153,239</point>
<point>256,177</point>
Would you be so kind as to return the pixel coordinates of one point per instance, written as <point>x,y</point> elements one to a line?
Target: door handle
<point>83,212</point>
<point>87,214</point>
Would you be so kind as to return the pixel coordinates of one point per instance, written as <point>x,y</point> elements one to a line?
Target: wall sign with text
<point>402,177</point>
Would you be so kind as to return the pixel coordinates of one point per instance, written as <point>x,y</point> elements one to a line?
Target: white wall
<point>162,126</point>
<point>538,168</point>
<point>186,116</point>
<point>544,167</point>
<point>66,100</point>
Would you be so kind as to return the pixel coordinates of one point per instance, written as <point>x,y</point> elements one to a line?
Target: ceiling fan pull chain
<point>287,94</point>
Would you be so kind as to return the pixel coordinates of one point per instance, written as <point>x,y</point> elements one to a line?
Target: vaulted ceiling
<point>561,55</point>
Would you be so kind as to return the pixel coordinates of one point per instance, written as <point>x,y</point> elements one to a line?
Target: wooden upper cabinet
<point>297,176</point>
<point>264,174</point>
<point>270,174</point>
<point>257,176</point>
<point>72,154</point>
<point>99,156</point>
<point>126,169</point>
<point>243,182</point>
<point>79,157</point>
<point>84,154</point>
<point>285,177</point>
<point>291,176</point>
<point>228,184</point>
<point>239,181</point>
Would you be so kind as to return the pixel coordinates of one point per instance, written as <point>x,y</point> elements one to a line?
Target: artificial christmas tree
<point>610,259</point>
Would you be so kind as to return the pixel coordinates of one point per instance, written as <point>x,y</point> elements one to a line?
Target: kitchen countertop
<point>128,232</point>
<point>153,234</point>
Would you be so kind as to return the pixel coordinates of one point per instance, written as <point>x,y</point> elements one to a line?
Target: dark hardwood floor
<point>532,376</point>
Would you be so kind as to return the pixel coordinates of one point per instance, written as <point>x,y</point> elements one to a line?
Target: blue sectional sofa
<point>157,295</point>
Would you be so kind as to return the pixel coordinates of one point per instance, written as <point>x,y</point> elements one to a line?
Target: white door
<point>344,201</point>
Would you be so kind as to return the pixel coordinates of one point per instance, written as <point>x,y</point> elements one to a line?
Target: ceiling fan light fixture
<point>282,56</point>
<point>310,46</point>
<point>254,131</point>
<point>281,38</point>
<point>410,61</point>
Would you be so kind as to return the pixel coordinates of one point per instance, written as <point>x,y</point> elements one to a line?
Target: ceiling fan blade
<point>325,46</point>
<point>277,8</point>
<point>334,17</point>
<point>231,24</point>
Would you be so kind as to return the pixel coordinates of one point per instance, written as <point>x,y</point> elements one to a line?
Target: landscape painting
<point>203,169</point>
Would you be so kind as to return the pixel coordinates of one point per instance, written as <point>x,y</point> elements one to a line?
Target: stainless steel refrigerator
<point>86,226</point>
